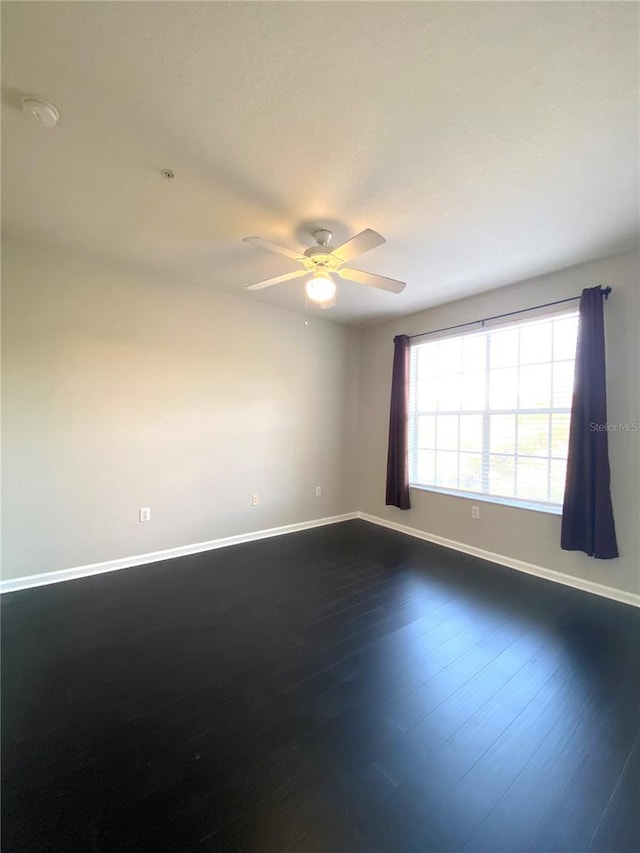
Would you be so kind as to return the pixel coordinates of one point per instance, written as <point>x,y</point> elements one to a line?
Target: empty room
<point>320,427</point>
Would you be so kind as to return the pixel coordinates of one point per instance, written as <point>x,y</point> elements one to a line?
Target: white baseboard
<point>520,566</point>
<point>14,584</point>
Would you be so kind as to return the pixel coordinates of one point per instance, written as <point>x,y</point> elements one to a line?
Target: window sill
<point>514,504</point>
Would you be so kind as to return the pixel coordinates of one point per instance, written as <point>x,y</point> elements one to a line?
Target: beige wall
<point>517,533</point>
<point>121,392</point>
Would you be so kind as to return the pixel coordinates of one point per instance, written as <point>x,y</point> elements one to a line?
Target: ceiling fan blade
<point>362,242</point>
<point>330,303</point>
<point>373,280</point>
<point>277,279</point>
<point>273,247</point>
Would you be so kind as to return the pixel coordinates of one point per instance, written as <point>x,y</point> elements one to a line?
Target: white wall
<point>532,537</point>
<point>121,391</point>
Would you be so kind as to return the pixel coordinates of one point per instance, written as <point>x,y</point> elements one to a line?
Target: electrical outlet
<point>144,513</point>
<point>475,512</point>
<point>318,491</point>
<point>255,500</point>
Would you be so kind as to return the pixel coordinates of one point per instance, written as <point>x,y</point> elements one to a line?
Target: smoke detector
<point>42,111</point>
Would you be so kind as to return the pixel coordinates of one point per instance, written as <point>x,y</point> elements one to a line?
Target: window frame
<point>486,412</point>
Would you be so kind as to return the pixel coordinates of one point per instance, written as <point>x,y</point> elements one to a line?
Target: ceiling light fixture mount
<point>42,111</point>
<point>322,237</point>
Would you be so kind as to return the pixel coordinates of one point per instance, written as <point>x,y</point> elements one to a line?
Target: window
<point>489,411</point>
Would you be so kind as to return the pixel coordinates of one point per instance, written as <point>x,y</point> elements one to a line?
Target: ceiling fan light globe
<point>321,288</point>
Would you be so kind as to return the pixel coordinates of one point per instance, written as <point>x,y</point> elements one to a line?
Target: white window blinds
<point>489,411</point>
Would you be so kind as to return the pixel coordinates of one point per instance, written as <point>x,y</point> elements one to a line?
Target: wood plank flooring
<point>342,689</point>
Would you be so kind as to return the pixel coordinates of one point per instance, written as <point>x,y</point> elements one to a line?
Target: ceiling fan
<point>322,260</point>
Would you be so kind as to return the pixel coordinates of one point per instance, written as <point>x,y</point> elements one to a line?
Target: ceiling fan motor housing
<point>321,256</point>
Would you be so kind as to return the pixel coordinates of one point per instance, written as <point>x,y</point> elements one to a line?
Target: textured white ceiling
<point>488,142</point>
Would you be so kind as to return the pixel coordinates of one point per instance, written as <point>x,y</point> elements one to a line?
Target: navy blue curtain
<point>587,513</point>
<point>398,455</point>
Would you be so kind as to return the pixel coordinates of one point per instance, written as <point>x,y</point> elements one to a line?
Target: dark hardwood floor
<point>342,689</point>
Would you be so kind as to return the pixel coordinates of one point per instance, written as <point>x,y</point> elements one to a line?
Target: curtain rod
<point>604,292</point>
